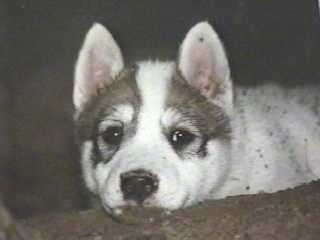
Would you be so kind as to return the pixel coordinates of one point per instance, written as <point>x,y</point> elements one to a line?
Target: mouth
<point>130,208</point>
<point>132,213</point>
<point>116,211</point>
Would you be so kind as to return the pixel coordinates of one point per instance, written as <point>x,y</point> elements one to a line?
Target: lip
<point>113,212</point>
<point>117,211</point>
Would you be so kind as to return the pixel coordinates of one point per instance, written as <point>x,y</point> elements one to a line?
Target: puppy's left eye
<point>180,138</point>
<point>113,135</point>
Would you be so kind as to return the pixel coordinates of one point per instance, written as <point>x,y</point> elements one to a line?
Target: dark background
<point>266,40</point>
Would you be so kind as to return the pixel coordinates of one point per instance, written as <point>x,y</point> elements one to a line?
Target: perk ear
<point>204,64</point>
<point>99,62</point>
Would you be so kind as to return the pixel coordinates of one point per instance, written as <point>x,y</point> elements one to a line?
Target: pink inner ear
<point>99,73</point>
<point>201,65</point>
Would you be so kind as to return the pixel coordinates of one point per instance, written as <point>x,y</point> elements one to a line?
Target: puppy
<point>170,134</point>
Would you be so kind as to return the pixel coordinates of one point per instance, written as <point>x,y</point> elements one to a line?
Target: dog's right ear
<point>99,62</point>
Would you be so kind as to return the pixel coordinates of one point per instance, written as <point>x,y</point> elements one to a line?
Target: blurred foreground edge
<point>290,214</point>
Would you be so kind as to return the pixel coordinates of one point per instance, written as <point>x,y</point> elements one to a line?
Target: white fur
<point>87,166</point>
<point>153,80</point>
<point>260,160</point>
<point>99,61</point>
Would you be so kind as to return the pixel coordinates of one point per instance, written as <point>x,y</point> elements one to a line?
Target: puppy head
<point>156,134</point>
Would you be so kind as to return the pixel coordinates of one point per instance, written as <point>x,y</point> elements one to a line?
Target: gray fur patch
<point>123,90</point>
<point>207,117</point>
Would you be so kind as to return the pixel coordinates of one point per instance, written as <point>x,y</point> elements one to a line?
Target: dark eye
<point>180,138</point>
<point>113,135</point>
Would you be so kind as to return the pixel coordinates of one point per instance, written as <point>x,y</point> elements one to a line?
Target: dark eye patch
<point>107,142</point>
<point>179,138</point>
<point>113,135</point>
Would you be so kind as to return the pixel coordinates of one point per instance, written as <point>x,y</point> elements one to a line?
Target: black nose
<point>138,185</point>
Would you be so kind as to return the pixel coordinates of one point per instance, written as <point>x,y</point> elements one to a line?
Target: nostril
<point>138,185</point>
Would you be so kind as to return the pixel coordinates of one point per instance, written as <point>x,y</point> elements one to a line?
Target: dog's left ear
<point>204,64</point>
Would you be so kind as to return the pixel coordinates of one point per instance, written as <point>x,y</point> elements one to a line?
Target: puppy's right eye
<point>113,135</point>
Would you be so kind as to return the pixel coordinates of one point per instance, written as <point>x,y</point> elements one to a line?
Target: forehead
<point>154,82</point>
<point>150,87</point>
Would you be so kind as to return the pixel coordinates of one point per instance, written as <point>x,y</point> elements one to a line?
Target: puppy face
<point>156,134</point>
